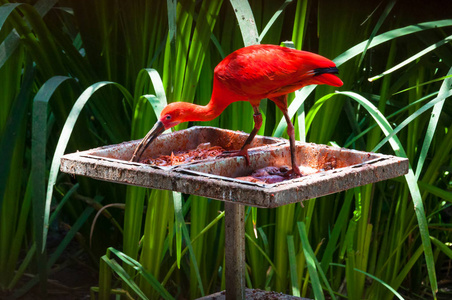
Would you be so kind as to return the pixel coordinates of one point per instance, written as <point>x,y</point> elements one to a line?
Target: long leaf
<point>146,275</point>
<point>60,249</point>
<point>413,58</point>
<point>246,21</point>
<point>186,235</point>
<point>424,108</point>
<point>124,276</point>
<point>445,87</point>
<point>374,278</point>
<point>40,107</point>
<point>356,50</point>
<point>64,138</point>
<point>310,260</point>
<point>293,266</point>
<point>412,185</point>
<point>12,41</point>
<point>10,135</point>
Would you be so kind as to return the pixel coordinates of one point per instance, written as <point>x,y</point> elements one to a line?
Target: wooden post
<point>235,250</point>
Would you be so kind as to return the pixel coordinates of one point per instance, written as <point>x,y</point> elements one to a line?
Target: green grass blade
<point>63,201</point>
<point>104,279</point>
<point>38,170</point>
<point>143,272</point>
<point>340,222</point>
<point>413,58</point>
<point>388,36</point>
<point>177,198</point>
<point>71,233</point>
<point>422,84</point>
<point>310,260</point>
<point>439,192</point>
<point>64,139</point>
<point>254,220</point>
<point>40,104</point>
<point>158,88</point>
<point>23,266</point>
<point>158,214</point>
<point>374,278</point>
<point>445,249</point>
<point>12,41</point>
<point>204,231</point>
<point>60,249</point>
<point>6,10</point>
<point>264,239</point>
<point>157,106</point>
<point>285,221</point>
<point>181,222</point>
<point>11,128</point>
<point>356,50</point>
<point>315,109</point>
<point>412,185</point>
<point>412,104</point>
<point>205,22</point>
<point>247,24</point>
<point>16,242</point>
<point>293,266</point>
<point>300,22</point>
<point>382,18</point>
<point>412,117</point>
<point>124,276</point>
<point>407,267</point>
<point>445,87</point>
<point>273,19</point>
<point>250,239</point>
<point>186,234</point>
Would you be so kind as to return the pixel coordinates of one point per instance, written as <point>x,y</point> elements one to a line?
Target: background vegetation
<point>75,75</point>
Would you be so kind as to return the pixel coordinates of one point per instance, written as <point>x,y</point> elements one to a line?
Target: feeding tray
<point>336,169</point>
<point>182,140</point>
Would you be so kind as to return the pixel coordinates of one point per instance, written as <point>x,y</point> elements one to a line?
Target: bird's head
<point>172,115</point>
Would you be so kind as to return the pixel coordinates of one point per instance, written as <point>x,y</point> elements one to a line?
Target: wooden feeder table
<point>340,169</point>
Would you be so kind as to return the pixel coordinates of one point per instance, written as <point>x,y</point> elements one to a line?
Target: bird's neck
<point>210,111</point>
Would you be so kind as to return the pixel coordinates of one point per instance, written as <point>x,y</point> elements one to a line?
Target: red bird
<point>251,74</point>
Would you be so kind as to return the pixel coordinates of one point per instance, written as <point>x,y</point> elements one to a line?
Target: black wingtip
<point>330,70</point>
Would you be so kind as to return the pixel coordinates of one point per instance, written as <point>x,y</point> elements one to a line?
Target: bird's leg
<point>244,150</point>
<point>257,125</point>
<point>291,133</point>
<point>281,102</point>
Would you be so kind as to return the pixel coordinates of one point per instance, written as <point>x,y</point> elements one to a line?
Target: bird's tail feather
<point>330,70</point>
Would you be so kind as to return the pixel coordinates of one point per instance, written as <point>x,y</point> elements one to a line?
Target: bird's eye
<point>168,117</point>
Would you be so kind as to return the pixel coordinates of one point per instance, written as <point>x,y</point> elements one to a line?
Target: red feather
<point>251,74</point>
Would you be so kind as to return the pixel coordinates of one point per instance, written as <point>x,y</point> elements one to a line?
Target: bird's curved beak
<point>147,140</point>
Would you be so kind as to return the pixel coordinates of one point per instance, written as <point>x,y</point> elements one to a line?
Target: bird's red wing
<point>263,71</point>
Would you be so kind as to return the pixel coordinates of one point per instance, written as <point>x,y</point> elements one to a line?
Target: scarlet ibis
<point>251,74</point>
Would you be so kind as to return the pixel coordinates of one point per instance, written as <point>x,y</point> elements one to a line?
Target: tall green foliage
<point>113,65</point>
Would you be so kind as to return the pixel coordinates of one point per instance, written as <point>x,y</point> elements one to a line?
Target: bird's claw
<point>234,153</point>
<point>293,173</point>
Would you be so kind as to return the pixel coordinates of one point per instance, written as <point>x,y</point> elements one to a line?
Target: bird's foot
<point>293,173</point>
<point>234,153</point>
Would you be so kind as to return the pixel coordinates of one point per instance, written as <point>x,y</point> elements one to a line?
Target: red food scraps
<point>203,151</point>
